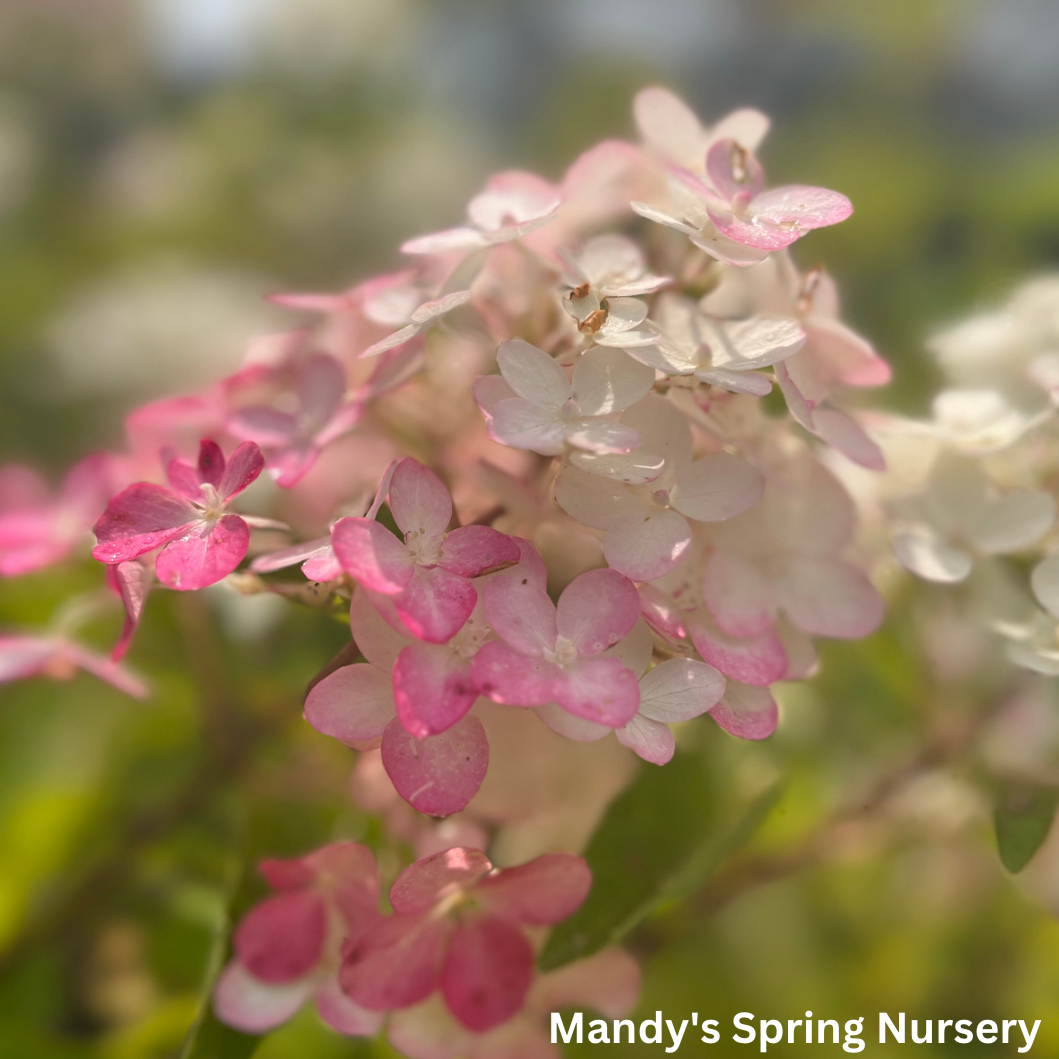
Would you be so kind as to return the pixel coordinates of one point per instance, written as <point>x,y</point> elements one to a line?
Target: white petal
<point>759,342</point>
<point>601,436</point>
<point>647,546</point>
<point>717,487</point>
<point>650,740</point>
<point>528,425</point>
<point>824,597</point>
<point>635,468</point>
<point>576,728</point>
<point>607,381</point>
<point>1012,522</point>
<point>240,1000</point>
<point>1045,584</point>
<point>532,374</point>
<point>931,557</point>
<point>749,382</point>
<point>443,241</point>
<point>662,218</point>
<point>593,499</point>
<point>680,689</point>
<point>737,594</point>
<point>847,436</point>
<point>668,125</point>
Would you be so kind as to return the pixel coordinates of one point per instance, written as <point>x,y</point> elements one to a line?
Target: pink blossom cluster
<point>537,466</point>
<point>449,968</point>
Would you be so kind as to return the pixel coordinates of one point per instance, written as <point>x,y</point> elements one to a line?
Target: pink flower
<point>291,440</point>
<point>459,927</point>
<point>434,754</point>
<point>60,659</point>
<point>512,205</point>
<point>38,529</point>
<point>549,651</point>
<point>201,543</point>
<point>428,573</point>
<point>288,948</point>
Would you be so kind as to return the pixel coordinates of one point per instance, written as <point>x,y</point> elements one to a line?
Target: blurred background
<point>165,163</point>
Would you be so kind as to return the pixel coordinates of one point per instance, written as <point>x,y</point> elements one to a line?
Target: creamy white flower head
<point>961,514</point>
<point>532,405</point>
<point>717,352</point>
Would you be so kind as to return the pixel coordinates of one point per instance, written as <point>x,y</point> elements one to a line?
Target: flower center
<point>564,653</point>
<point>424,550</point>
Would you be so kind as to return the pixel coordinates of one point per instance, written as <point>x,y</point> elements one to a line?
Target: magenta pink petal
<point>204,556</point>
<point>474,550</point>
<point>294,874</point>
<point>440,775</point>
<point>487,972</point>
<point>546,890</point>
<point>372,555</point>
<point>596,610</point>
<point>419,501</point>
<point>184,479</point>
<point>746,711</point>
<point>353,704</point>
<point>140,519</point>
<point>132,582</point>
<point>720,161</point>
<point>323,565</point>
<point>243,467</point>
<point>435,605</point>
<point>421,885</point>
<point>432,689</point>
<point>282,938</point>
<point>600,690</point>
<point>348,871</point>
<point>758,660</point>
<point>519,610</point>
<point>512,678</point>
<point>395,964</point>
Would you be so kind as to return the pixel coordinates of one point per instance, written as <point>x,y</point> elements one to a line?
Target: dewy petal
<point>600,497</point>
<point>827,597</point>
<point>507,676</point>
<point>344,1015</point>
<point>547,890</point>
<point>247,1004</point>
<point>282,939</point>
<point>802,207</point>
<point>679,689</point>
<point>747,712</point>
<point>354,704</point>
<point>471,551</point>
<point>647,546</point>
<point>396,963</point>
<point>608,380</point>
<point>758,660</point>
<point>717,487</point>
<point>532,374</point>
<point>372,555</point>
<point>520,612</point>
<point>596,610</point>
<point>523,424</point>
<point>140,519</point>
<point>650,740</point>
<point>1045,584</point>
<point>601,436</point>
<point>243,467</point>
<point>737,594</point>
<point>432,689</point>
<point>440,775</point>
<point>419,501</point>
<point>1015,521</point>
<point>435,605</point>
<point>598,689</point>
<point>205,555</point>
<point>422,884</point>
<point>929,556</point>
<point>487,972</point>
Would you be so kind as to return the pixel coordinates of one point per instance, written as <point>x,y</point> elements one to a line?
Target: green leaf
<point>1022,816</point>
<point>658,842</point>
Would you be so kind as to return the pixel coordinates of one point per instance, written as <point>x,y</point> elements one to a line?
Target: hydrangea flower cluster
<point>975,508</point>
<point>538,469</point>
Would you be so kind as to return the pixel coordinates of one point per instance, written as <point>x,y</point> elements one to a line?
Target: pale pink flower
<point>201,542</point>
<point>38,527</point>
<point>288,948</point>
<point>718,352</point>
<point>55,656</point>
<point>550,653</point>
<point>459,928</point>
<point>423,316</point>
<point>512,205</point>
<point>532,405</point>
<point>291,440</point>
<point>645,516</point>
<point>434,753</point>
<point>428,573</point>
<point>607,983</point>
<point>612,266</point>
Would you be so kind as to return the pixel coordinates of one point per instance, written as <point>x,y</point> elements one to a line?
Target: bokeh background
<point>165,163</point>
